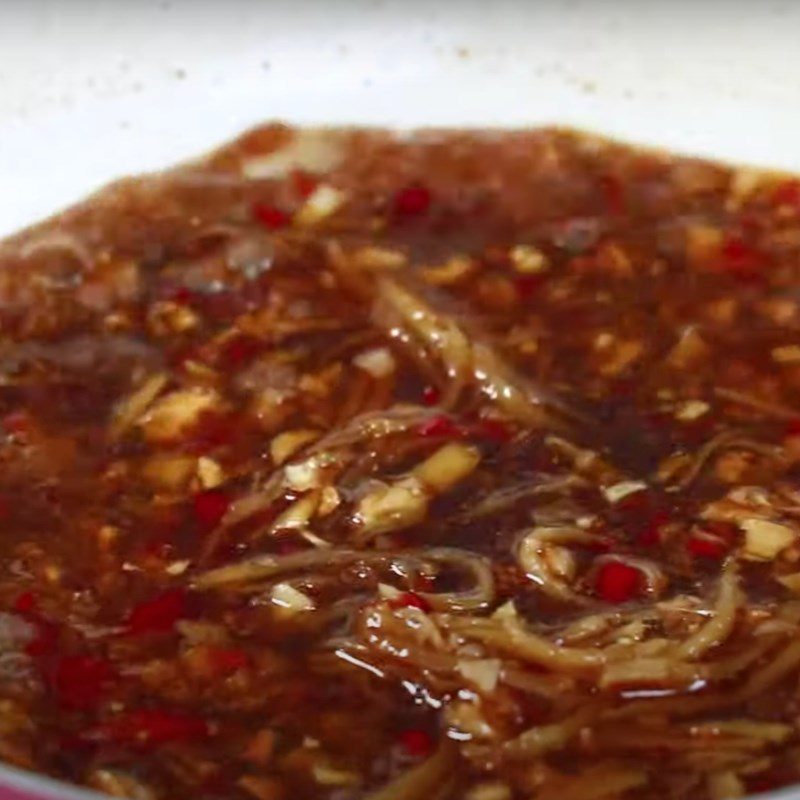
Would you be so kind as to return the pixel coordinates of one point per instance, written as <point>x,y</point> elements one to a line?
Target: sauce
<point>345,465</point>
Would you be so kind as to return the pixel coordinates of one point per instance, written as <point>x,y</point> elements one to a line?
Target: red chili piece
<point>224,660</point>
<point>26,603</point>
<point>241,349</point>
<point>159,614</point>
<point>493,430</point>
<point>304,183</point>
<point>181,295</point>
<point>793,427</point>
<point>617,582</point>
<point>787,193</point>
<point>526,286</point>
<point>210,507</point>
<point>270,217</point>
<point>45,642</point>
<point>416,743</point>
<point>650,533</point>
<point>80,682</point>
<point>212,430</point>
<point>431,396</point>
<point>440,426</point>
<point>410,600</point>
<point>706,547</point>
<point>17,422</point>
<point>412,201</point>
<point>150,728</point>
<point>741,260</point>
<point>613,194</point>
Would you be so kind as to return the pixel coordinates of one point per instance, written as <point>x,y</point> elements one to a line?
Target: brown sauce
<point>346,465</point>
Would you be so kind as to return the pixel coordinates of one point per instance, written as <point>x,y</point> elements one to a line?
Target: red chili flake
<point>304,183</point>
<point>650,533</point>
<point>270,217</point>
<point>431,396</point>
<point>440,426</point>
<point>210,507</point>
<point>150,728</point>
<point>424,583</point>
<point>793,427</point>
<point>26,603</point>
<point>181,295</point>
<point>225,660</point>
<point>223,305</point>
<point>741,260</point>
<point>410,600</point>
<point>526,286</point>
<point>159,614</point>
<point>416,743</point>
<point>617,582</point>
<point>80,682</point>
<point>212,430</point>
<point>240,349</point>
<point>412,201</point>
<point>46,639</point>
<point>613,194</point>
<point>706,547</point>
<point>494,430</point>
<point>18,422</point>
<point>787,193</point>
<point>760,784</point>
<point>713,540</point>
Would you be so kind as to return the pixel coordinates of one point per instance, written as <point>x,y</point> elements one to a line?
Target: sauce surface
<point>345,465</point>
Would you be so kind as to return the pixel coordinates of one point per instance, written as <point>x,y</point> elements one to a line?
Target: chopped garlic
<point>388,592</point>
<point>173,413</point>
<point>323,202</point>
<point>764,539</point>
<point>326,775</point>
<point>560,561</point>
<point>489,790</point>
<point>209,472</point>
<point>310,150</point>
<point>452,271</point>
<point>307,474</point>
<point>791,582</point>
<point>286,596</point>
<point>467,718</point>
<point>378,362</point>
<point>787,354</point>
<point>528,259</point>
<point>507,611</point>
<point>286,444</point>
<point>744,182</point>
<point>691,410</point>
<point>177,567</point>
<point>168,472</point>
<point>619,491</point>
<point>166,318</point>
<point>299,513</point>
<point>447,466</point>
<point>133,406</point>
<point>378,258</point>
<point>329,501</point>
<point>483,672</point>
<point>390,507</point>
<point>689,351</point>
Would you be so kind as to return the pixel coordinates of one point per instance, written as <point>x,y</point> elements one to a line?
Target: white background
<point>92,90</point>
